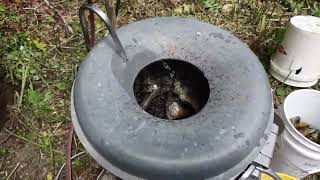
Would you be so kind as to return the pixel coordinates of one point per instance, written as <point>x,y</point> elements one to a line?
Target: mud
<point>6,98</point>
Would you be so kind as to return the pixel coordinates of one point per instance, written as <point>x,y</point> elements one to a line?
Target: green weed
<point>212,5</point>
<point>316,12</point>
<point>6,16</point>
<point>39,102</point>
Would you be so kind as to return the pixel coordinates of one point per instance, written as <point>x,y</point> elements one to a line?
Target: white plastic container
<point>297,61</point>
<point>294,154</point>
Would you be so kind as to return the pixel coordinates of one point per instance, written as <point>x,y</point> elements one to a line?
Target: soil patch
<point>6,99</point>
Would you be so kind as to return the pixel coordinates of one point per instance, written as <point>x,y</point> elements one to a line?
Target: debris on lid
<point>305,129</point>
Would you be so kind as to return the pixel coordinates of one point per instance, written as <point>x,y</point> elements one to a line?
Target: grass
<point>41,57</point>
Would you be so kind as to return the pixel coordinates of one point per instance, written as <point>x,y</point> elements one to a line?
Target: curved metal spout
<point>105,19</point>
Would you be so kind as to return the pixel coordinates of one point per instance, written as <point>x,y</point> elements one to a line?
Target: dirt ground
<point>41,47</point>
<point>6,98</point>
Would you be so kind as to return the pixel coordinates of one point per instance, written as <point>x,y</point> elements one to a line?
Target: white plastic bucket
<point>294,154</point>
<point>297,60</point>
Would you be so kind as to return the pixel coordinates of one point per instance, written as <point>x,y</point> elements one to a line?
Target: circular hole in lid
<point>171,89</point>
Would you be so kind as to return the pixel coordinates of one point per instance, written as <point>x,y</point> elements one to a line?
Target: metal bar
<point>92,26</point>
<point>93,8</point>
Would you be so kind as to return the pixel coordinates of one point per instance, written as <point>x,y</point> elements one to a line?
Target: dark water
<point>171,89</point>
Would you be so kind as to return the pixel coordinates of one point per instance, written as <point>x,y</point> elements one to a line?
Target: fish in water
<point>186,93</point>
<point>176,108</point>
<point>305,129</point>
